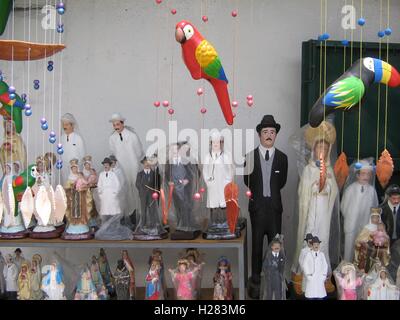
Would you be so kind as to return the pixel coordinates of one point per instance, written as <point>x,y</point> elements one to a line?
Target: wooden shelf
<point>14,50</point>
<point>166,243</point>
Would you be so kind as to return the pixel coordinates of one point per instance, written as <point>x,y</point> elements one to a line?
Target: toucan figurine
<point>349,89</point>
<point>203,62</point>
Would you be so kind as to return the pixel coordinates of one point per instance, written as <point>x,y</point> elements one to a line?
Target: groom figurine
<point>265,175</point>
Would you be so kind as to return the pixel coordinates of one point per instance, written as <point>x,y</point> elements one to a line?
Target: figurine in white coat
<point>2,278</point>
<point>127,148</point>
<point>218,171</point>
<point>358,198</point>
<point>72,142</point>
<point>315,270</point>
<point>303,253</point>
<point>108,187</point>
<point>10,273</point>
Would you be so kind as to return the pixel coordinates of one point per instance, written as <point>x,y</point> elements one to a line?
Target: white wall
<point>110,65</point>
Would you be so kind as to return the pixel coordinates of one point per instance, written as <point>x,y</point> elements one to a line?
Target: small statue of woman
<point>24,283</point>
<point>223,288</point>
<point>36,278</point>
<point>122,281</point>
<point>80,206</point>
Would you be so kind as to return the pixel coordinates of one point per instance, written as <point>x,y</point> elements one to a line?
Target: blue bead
<point>59,161</point>
<point>381,34</point>
<point>358,165</point>
<point>12,96</point>
<point>36,87</point>
<point>361,22</point>
<point>388,31</point>
<point>60,151</point>
<point>51,63</point>
<point>50,68</point>
<point>345,42</point>
<point>27,107</point>
<point>52,140</point>
<point>36,81</point>
<point>11,90</point>
<point>52,134</point>
<point>60,28</point>
<point>59,166</point>
<point>325,36</point>
<point>318,163</point>
<point>61,11</point>
<point>23,97</point>
<point>45,126</point>
<point>28,112</point>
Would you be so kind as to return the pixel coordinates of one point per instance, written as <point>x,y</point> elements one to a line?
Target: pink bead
<point>202,190</point>
<point>203,110</point>
<point>171,111</point>
<point>200,91</point>
<point>234,114</point>
<point>249,194</point>
<point>235,104</point>
<point>204,18</point>
<point>158,1</point>
<point>165,103</point>
<point>173,11</point>
<point>197,196</point>
<point>155,196</point>
<point>249,97</point>
<point>234,13</point>
<point>157,104</point>
<point>250,103</point>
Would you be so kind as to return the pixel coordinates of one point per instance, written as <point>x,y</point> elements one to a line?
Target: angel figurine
<point>348,281</point>
<point>183,280</point>
<point>223,288</point>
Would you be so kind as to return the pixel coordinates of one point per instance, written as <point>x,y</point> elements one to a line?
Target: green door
<point>5,9</point>
<point>371,118</point>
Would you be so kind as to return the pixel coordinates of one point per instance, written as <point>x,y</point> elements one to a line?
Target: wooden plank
<point>15,50</point>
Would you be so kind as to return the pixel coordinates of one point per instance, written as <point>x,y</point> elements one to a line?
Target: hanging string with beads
<point>387,60</point>
<point>361,23</point>
<point>379,85</point>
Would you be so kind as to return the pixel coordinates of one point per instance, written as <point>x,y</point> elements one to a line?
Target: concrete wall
<point>110,65</point>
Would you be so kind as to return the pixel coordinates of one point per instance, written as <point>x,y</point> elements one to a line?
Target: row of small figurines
<point>30,281</point>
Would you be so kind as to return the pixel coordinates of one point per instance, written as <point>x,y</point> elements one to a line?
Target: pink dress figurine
<point>183,280</point>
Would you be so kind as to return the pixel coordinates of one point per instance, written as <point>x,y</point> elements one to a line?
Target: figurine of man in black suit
<point>391,212</point>
<point>265,175</point>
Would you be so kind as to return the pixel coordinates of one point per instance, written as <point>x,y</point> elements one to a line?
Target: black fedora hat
<point>107,160</point>
<point>393,189</point>
<point>308,237</point>
<point>268,121</point>
<point>315,240</point>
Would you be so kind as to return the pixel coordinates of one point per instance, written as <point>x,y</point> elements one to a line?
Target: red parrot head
<point>186,32</point>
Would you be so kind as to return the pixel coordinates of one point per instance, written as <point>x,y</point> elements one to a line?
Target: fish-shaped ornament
<point>27,206</point>
<point>231,192</point>
<point>60,200</point>
<point>43,205</point>
<point>341,170</point>
<point>322,173</point>
<point>384,168</point>
<point>9,202</point>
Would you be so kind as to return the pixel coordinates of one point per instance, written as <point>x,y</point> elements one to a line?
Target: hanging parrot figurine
<point>349,89</point>
<point>21,182</point>
<point>11,106</point>
<point>203,62</point>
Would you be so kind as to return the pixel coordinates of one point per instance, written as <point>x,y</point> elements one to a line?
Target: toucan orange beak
<point>180,35</point>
